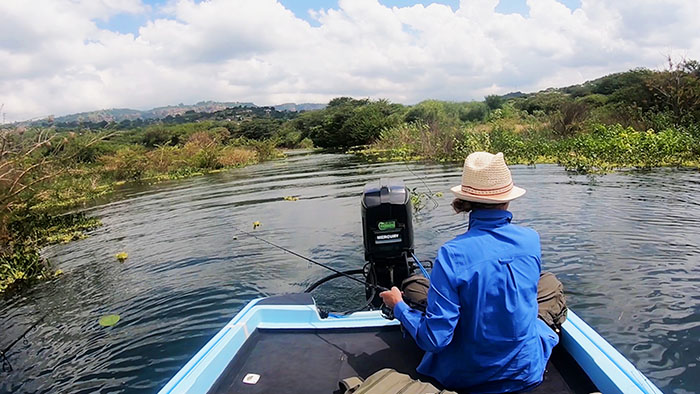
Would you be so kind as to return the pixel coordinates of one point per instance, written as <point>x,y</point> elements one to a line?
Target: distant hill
<point>120,114</point>
<point>117,115</point>
<point>299,107</point>
<point>513,95</point>
<point>202,106</point>
<point>122,118</point>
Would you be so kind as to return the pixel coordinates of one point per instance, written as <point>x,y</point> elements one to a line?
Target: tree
<point>474,112</point>
<point>493,101</point>
<point>259,129</point>
<point>348,122</point>
<point>677,90</point>
<point>430,112</point>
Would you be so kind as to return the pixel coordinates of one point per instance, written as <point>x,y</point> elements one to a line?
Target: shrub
<point>233,156</point>
<point>569,118</point>
<point>128,163</point>
<point>165,159</point>
<point>160,135</point>
<point>206,158</point>
<point>494,101</point>
<point>609,147</point>
<point>419,139</point>
<point>593,100</point>
<point>305,143</point>
<point>177,134</point>
<point>199,140</point>
<point>548,102</point>
<point>220,134</point>
<point>264,150</point>
<point>430,112</point>
<point>474,112</point>
<point>472,141</point>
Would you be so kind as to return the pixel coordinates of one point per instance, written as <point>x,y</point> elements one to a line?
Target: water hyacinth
<point>108,320</point>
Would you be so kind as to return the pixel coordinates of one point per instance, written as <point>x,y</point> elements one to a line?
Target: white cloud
<point>56,60</point>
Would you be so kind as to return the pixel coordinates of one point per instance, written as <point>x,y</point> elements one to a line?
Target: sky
<point>65,56</point>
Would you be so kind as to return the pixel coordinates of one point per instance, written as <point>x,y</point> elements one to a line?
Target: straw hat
<point>486,179</point>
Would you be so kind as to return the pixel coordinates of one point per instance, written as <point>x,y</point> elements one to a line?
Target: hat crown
<point>485,171</point>
<point>487,179</point>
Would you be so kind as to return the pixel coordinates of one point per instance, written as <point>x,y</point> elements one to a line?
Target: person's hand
<point>391,297</point>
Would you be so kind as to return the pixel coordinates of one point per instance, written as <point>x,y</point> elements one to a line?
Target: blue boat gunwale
<point>609,370</point>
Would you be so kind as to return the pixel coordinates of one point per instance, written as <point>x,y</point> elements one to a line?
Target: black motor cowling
<point>387,229</point>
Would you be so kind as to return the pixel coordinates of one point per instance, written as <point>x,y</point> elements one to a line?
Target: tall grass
<point>198,155</point>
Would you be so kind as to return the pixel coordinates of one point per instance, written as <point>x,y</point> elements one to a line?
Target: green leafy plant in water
<point>22,266</point>
<point>21,263</point>
<point>610,147</point>
<point>420,200</point>
<point>109,320</point>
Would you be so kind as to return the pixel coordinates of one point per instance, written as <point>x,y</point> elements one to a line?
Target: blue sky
<point>130,23</point>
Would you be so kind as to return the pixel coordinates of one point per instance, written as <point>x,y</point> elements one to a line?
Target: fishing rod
<point>337,272</point>
<point>6,366</point>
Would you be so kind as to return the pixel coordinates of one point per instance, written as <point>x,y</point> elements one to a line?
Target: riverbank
<point>602,148</point>
<point>640,118</point>
<point>82,168</point>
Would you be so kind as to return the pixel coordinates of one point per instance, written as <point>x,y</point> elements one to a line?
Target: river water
<point>626,246</point>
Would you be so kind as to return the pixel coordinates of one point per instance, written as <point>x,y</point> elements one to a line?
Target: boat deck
<point>314,361</point>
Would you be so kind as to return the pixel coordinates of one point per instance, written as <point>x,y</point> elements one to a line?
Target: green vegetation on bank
<point>640,118</point>
<point>46,174</point>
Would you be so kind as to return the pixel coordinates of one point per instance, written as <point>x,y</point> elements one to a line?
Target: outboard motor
<point>387,229</point>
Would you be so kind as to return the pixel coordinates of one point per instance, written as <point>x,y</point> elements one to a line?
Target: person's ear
<point>461,206</point>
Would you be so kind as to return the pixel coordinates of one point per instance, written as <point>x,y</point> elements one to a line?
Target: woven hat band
<point>487,192</point>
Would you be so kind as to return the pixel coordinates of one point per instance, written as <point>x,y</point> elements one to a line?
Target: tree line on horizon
<point>640,98</point>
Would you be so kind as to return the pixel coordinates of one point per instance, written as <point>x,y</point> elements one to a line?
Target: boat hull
<point>606,368</point>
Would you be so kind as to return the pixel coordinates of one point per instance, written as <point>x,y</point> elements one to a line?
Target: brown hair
<point>464,206</point>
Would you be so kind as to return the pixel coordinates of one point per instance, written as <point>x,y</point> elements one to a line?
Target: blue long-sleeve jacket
<point>480,330</point>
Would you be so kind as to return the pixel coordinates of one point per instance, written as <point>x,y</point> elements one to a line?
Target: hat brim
<point>514,193</point>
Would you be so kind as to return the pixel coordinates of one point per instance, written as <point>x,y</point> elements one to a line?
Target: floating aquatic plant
<point>108,320</point>
<point>420,199</point>
<point>121,256</point>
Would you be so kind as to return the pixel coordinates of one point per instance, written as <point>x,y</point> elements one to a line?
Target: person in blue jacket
<point>480,330</point>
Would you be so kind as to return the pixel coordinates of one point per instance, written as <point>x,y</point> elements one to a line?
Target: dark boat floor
<point>314,361</point>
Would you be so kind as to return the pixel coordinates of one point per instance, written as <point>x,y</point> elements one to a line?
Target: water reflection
<point>625,245</point>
